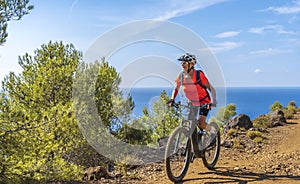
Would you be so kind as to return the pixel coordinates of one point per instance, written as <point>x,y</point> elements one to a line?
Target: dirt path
<point>278,161</point>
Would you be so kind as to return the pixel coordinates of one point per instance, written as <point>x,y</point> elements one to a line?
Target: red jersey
<point>196,93</point>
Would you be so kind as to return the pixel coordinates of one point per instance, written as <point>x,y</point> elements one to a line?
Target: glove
<point>214,103</point>
<point>171,102</point>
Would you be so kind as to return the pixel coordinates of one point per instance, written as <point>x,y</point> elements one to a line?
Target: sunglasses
<point>184,62</point>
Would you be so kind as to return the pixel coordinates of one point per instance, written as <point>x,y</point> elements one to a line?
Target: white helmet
<point>188,57</point>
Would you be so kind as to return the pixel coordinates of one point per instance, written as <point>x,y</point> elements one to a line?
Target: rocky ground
<point>277,160</point>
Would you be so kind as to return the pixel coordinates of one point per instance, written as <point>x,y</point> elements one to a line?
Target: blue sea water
<point>252,101</point>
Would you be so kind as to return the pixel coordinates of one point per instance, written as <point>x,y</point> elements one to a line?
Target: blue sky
<point>256,42</point>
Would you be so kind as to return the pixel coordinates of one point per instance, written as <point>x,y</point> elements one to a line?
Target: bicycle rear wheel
<point>178,154</point>
<point>212,149</point>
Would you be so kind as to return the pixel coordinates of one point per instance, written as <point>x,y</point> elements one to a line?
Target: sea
<point>252,101</point>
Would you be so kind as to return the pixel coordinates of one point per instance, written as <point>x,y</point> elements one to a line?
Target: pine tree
<point>38,127</point>
<point>11,10</point>
<point>40,140</point>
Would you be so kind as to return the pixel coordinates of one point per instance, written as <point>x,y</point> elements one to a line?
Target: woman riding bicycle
<point>195,86</point>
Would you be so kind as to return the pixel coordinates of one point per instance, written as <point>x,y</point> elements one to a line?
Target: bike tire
<point>178,150</point>
<point>213,150</point>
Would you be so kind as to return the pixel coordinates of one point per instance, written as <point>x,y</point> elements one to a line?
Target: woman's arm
<point>213,93</point>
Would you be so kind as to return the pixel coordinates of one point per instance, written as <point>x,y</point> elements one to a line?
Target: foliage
<point>161,119</point>
<point>111,106</point>
<point>292,103</point>
<point>276,106</point>
<point>254,133</point>
<point>11,10</point>
<point>101,109</point>
<point>230,111</point>
<point>262,121</point>
<point>237,144</point>
<point>259,139</point>
<point>135,133</point>
<point>122,165</point>
<point>288,113</point>
<point>38,128</point>
<point>256,136</point>
<point>224,114</point>
<point>290,110</point>
<point>39,137</point>
<point>156,122</point>
<point>232,132</point>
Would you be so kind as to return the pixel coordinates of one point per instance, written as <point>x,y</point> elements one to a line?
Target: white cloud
<point>257,70</point>
<point>224,46</point>
<point>179,8</point>
<point>269,51</point>
<point>269,28</point>
<point>295,8</point>
<point>227,34</point>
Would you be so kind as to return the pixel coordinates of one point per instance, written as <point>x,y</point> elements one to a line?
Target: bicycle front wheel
<point>178,154</point>
<point>212,150</point>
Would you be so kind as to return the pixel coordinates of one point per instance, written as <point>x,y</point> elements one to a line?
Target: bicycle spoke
<point>178,154</point>
<point>212,149</point>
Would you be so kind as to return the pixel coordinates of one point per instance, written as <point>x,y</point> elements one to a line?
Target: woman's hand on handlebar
<point>172,103</point>
<point>213,103</point>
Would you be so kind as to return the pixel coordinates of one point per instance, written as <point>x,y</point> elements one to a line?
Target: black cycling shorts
<point>203,111</point>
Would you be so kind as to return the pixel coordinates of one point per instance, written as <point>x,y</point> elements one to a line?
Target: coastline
<point>252,101</point>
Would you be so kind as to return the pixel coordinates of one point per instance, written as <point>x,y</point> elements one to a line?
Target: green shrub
<point>292,103</point>
<point>256,136</point>
<point>125,162</point>
<point>224,114</point>
<point>243,129</point>
<point>262,121</point>
<point>288,114</point>
<point>237,144</point>
<point>232,132</point>
<point>276,106</point>
<point>252,134</point>
<point>290,110</point>
<point>258,139</point>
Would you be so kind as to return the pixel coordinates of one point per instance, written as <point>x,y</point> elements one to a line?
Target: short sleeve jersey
<point>194,92</point>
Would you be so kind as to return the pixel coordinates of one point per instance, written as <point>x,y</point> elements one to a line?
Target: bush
<point>288,114</point>
<point>276,106</point>
<point>262,121</point>
<point>290,110</point>
<point>252,134</point>
<point>256,136</point>
<point>292,103</point>
<point>258,139</point>
<point>237,144</point>
<point>232,132</point>
<point>126,162</point>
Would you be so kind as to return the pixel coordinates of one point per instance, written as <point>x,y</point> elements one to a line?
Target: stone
<point>241,121</point>
<point>277,118</point>
<point>162,142</point>
<point>96,173</point>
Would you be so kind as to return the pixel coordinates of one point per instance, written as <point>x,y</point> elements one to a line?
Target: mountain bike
<point>186,143</point>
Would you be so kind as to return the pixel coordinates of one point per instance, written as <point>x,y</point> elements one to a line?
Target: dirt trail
<point>278,161</point>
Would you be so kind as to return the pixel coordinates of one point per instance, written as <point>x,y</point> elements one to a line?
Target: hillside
<point>276,161</point>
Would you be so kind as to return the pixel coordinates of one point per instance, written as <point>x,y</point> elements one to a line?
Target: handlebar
<point>178,104</point>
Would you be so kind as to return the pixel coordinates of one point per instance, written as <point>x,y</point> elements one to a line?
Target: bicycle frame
<point>191,125</point>
<point>185,150</point>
